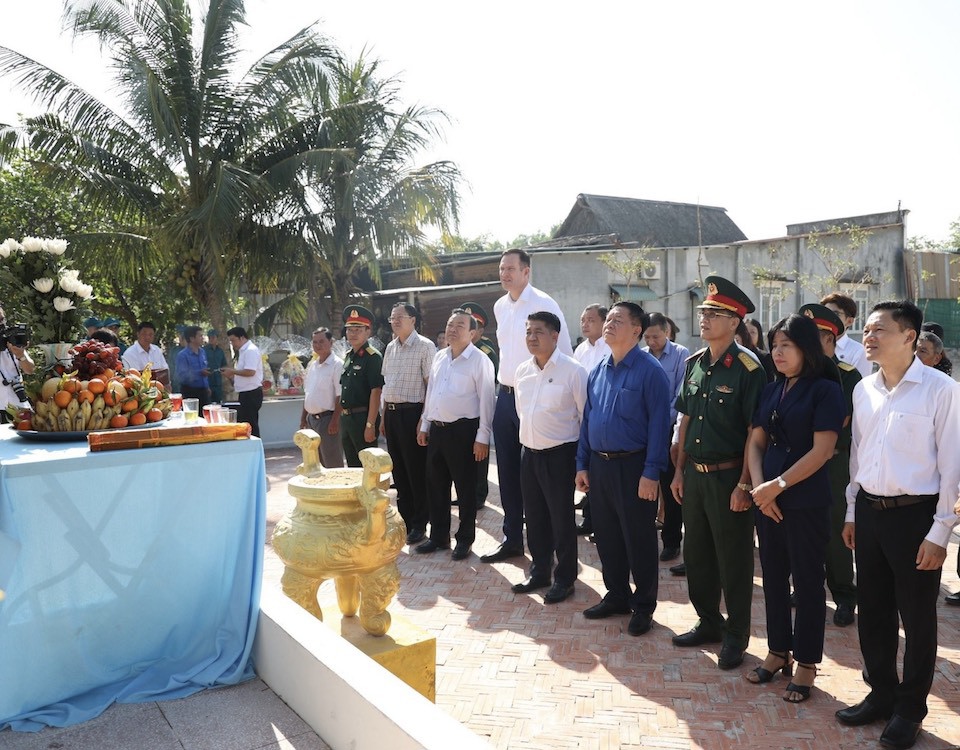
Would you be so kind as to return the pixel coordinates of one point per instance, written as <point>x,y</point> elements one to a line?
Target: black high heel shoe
<point>802,690</point>
<point>765,675</point>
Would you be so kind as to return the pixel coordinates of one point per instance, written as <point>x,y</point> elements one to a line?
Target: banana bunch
<point>74,417</point>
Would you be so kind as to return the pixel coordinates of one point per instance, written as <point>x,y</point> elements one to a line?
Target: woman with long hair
<point>795,429</point>
<point>756,333</point>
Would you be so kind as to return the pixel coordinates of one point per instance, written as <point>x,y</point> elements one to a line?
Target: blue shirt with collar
<point>189,365</point>
<point>627,409</point>
<point>673,360</point>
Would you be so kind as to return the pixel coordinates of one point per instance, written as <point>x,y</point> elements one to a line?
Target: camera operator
<point>14,362</point>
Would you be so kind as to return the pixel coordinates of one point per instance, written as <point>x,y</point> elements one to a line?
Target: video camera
<point>17,334</point>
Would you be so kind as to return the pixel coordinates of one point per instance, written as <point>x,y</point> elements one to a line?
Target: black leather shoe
<point>605,608</point>
<point>953,599</point>
<point>481,504</point>
<point>584,528</point>
<point>425,548</point>
<point>679,570</point>
<point>416,535</point>
<point>530,584</point>
<point>696,637</point>
<point>503,552</point>
<point>862,713</point>
<point>557,593</point>
<point>461,552</point>
<point>639,623</point>
<point>843,616</point>
<point>730,656</point>
<point>669,553</point>
<point>900,733</point>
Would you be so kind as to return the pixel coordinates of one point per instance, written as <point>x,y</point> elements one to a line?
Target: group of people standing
<point>824,459</point>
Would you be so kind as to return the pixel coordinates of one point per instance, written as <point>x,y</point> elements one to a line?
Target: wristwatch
<point>369,426</point>
<point>781,483</point>
<point>744,486</point>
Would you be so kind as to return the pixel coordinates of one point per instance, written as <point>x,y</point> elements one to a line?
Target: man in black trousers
<point>551,391</point>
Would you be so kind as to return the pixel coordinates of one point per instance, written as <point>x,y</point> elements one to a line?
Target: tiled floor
<point>526,675</point>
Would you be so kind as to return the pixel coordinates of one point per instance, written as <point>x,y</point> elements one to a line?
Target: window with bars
<point>770,296</point>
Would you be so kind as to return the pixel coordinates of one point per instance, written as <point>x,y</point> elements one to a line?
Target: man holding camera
<point>14,362</point>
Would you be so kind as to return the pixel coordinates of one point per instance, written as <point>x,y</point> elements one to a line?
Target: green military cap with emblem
<point>825,318</point>
<point>357,315</point>
<point>476,311</point>
<point>725,295</point>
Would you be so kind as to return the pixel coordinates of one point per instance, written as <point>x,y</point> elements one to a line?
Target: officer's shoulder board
<point>370,350</point>
<point>747,361</point>
<point>846,366</point>
<point>697,354</point>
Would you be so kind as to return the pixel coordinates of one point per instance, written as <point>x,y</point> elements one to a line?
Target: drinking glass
<point>228,415</point>
<point>191,409</point>
<point>210,413</point>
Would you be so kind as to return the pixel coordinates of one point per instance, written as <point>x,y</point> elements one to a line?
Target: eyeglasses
<point>711,314</point>
<point>398,318</point>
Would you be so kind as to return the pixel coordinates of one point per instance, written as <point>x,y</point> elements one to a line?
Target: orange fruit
<point>118,421</point>
<point>85,396</point>
<point>70,386</point>
<point>138,418</point>
<point>154,415</point>
<point>97,386</point>
<point>130,405</point>
<point>107,374</point>
<point>62,398</point>
<point>108,398</point>
<point>25,424</point>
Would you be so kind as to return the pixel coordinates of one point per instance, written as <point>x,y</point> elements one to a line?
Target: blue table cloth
<point>131,575</point>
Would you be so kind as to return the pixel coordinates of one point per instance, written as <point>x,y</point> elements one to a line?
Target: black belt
<point>355,409</point>
<point>403,405</point>
<point>548,450</point>
<point>507,388</point>
<point>610,455</point>
<point>435,423</point>
<point>878,502</point>
<point>320,414</point>
<point>707,468</point>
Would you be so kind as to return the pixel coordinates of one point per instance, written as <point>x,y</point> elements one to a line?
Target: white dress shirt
<point>321,384</point>
<point>248,358</point>
<point>853,353</point>
<point>550,401</point>
<point>512,328</point>
<point>137,358</point>
<point>590,355</point>
<point>905,442</point>
<point>461,388</point>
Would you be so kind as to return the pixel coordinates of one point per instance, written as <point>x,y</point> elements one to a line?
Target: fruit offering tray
<point>65,437</point>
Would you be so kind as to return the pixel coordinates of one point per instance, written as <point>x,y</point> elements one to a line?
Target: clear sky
<point>781,113</point>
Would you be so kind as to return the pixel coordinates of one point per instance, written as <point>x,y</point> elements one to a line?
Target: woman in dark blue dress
<point>794,432</point>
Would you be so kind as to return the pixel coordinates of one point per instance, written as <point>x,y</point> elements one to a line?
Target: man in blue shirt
<point>624,439</point>
<point>673,359</point>
<point>192,369</point>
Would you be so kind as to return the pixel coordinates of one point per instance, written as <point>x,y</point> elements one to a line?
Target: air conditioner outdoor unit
<point>651,270</point>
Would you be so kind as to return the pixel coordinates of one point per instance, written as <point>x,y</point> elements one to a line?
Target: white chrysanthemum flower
<point>84,291</point>
<point>43,285</point>
<point>33,244</point>
<point>56,247</point>
<point>62,304</point>
<point>8,246</point>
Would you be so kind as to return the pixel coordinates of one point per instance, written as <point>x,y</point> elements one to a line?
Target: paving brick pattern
<point>526,675</point>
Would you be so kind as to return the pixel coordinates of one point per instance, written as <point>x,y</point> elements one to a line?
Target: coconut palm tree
<point>202,161</point>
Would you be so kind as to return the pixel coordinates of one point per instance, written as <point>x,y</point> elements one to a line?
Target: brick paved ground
<point>531,676</point>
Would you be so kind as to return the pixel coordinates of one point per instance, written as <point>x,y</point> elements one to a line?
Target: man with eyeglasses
<point>406,369</point>
<point>720,392</point>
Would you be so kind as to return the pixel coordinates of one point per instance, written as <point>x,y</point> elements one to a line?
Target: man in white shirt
<point>589,353</point>
<point>406,368</point>
<point>145,352</point>
<point>904,476</point>
<point>321,398</point>
<point>247,378</point>
<point>551,392</point>
<point>511,312</point>
<point>455,428</point>
<point>593,349</point>
<point>848,350</point>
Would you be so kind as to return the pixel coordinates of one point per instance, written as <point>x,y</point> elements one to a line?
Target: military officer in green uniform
<point>839,557</point>
<point>720,392</point>
<point>486,346</point>
<point>360,386</point>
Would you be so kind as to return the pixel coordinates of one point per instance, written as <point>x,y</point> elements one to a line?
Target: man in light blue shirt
<point>673,359</point>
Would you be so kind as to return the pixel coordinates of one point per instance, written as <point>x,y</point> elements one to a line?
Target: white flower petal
<point>43,285</point>
<point>62,304</point>
<point>56,247</point>
<point>32,244</point>
<point>85,291</point>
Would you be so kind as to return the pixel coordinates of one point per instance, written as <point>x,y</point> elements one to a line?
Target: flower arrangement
<point>38,289</point>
